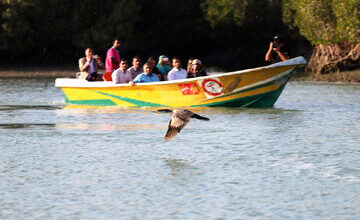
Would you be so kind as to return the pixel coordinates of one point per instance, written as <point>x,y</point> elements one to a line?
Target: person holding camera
<point>277,51</point>
<point>164,67</point>
<point>89,64</point>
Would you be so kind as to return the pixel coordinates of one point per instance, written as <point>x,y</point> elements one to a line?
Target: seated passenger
<point>89,64</point>
<point>197,70</point>
<point>147,75</point>
<point>155,70</point>
<point>136,67</point>
<point>177,72</point>
<point>189,65</point>
<point>121,75</point>
<point>164,67</point>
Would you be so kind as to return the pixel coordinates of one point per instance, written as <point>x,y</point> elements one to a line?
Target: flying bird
<point>180,117</point>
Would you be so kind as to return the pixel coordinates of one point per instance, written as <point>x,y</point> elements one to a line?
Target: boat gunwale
<point>297,61</point>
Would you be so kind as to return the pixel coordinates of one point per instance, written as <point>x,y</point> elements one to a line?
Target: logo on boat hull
<point>212,87</point>
<point>189,88</point>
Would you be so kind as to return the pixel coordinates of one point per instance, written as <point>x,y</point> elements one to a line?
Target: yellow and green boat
<point>258,87</point>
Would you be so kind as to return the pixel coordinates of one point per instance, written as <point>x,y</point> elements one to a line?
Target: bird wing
<point>175,126</point>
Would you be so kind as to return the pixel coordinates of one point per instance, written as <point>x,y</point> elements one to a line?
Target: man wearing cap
<point>197,70</point>
<point>277,51</point>
<point>177,72</point>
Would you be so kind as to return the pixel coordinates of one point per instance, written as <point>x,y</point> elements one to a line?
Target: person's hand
<point>276,49</point>
<point>97,58</point>
<point>132,83</point>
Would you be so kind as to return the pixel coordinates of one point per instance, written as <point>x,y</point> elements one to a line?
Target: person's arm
<point>268,53</point>
<point>100,63</point>
<point>83,64</point>
<point>282,56</point>
<point>113,61</point>
<point>115,77</point>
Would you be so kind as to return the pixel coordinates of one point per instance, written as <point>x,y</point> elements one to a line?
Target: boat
<point>257,87</point>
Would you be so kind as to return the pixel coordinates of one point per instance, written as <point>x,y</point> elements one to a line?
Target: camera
<point>275,45</point>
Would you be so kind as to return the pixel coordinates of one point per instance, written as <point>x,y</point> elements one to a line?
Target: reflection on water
<point>24,125</point>
<point>298,160</point>
<point>107,127</point>
<point>25,107</point>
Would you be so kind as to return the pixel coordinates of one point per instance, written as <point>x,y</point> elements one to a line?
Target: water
<point>299,160</point>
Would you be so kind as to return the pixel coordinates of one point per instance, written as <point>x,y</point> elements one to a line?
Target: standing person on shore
<point>146,76</point>
<point>197,70</point>
<point>136,67</point>
<point>89,64</point>
<point>176,72</point>
<point>277,51</point>
<point>113,56</point>
<point>122,75</point>
<point>164,67</point>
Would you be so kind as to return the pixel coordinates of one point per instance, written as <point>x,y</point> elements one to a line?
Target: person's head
<point>147,68</point>
<point>278,41</point>
<point>136,62</point>
<point>123,64</point>
<point>190,60</point>
<point>176,62</point>
<point>89,52</point>
<point>116,43</point>
<point>196,63</point>
<point>152,61</point>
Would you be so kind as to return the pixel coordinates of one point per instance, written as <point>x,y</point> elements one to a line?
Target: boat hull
<point>259,87</point>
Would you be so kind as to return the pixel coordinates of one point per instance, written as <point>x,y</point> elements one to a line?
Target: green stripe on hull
<point>95,102</point>
<point>133,101</point>
<point>257,101</point>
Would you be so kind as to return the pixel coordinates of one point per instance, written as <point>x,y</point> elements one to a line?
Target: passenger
<point>155,70</point>
<point>113,56</point>
<point>277,50</point>
<point>146,76</point>
<point>198,69</point>
<point>164,67</point>
<point>177,72</point>
<point>122,75</point>
<point>136,67</point>
<point>189,65</point>
<point>89,64</point>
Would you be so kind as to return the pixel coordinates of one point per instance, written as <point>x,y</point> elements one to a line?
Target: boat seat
<point>107,76</point>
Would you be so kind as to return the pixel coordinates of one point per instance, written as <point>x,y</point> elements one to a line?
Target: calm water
<point>299,160</point>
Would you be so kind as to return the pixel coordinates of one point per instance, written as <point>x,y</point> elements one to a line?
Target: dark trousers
<point>94,76</point>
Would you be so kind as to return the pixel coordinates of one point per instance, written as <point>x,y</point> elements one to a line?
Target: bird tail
<point>200,117</point>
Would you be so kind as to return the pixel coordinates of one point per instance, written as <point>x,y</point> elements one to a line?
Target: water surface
<point>298,160</point>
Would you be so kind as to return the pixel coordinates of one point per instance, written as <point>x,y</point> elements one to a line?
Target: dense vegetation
<point>229,33</point>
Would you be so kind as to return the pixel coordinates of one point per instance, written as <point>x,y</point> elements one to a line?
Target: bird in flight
<point>180,117</point>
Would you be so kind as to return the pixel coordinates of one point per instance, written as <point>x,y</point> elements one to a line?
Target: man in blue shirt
<point>146,76</point>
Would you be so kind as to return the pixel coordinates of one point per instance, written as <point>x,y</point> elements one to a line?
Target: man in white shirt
<point>121,75</point>
<point>177,72</point>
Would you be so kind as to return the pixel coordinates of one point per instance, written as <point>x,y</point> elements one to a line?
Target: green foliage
<point>225,11</point>
<point>324,22</point>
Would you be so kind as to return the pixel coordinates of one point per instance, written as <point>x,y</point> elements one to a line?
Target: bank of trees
<point>233,33</point>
